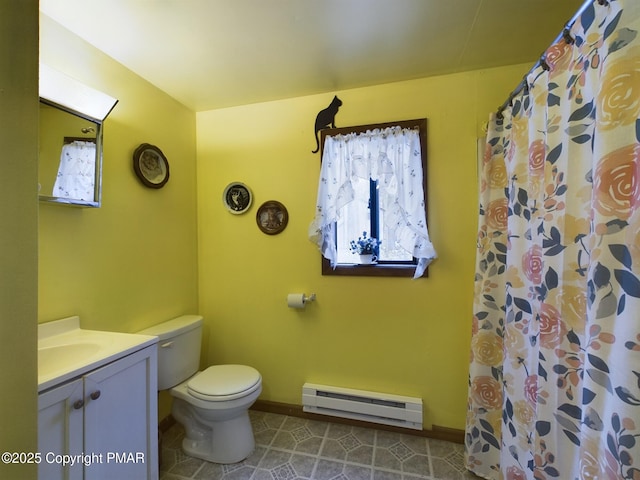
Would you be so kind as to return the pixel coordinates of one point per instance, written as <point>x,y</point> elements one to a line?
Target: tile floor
<point>291,448</point>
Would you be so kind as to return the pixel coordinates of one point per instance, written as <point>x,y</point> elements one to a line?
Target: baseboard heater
<point>374,407</point>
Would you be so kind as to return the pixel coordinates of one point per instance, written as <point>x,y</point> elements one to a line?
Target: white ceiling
<point>211,54</point>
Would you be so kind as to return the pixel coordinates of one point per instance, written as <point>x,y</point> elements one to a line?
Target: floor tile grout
<point>288,445</point>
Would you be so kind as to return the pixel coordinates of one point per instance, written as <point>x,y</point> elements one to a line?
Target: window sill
<point>377,270</point>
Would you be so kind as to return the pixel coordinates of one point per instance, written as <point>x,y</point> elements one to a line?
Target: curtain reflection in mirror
<point>76,172</point>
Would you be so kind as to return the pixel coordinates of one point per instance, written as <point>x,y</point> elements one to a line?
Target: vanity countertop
<point>66,351</point>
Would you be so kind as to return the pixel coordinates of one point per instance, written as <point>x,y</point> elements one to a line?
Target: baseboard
<point>166,423</point>
<point>437,432</point>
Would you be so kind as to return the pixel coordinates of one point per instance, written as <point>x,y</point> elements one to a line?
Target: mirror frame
<point>97,188</point>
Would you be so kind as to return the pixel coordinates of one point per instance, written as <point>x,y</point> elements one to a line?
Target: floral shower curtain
<point>554,382</point>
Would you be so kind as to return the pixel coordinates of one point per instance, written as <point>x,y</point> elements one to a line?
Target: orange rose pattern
<point>573,305</point>
<point>558,56</point>
<point>537,157</point>
<point>552,327</point>
<point>487,348</point>
<point>532,264</point>
<point>515,473</point>
<point>531,389</point>
<point>498,175</point>
<point>616,182</point>
<point>497,214</point>
<point>554,376</point>
<point>619,99</point>
<point>487,392</point>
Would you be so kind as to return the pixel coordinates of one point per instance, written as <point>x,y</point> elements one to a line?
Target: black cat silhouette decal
<point>326,118</point>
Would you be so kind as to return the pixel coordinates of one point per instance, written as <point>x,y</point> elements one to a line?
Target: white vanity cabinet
<point>60,429</point>
<point>102,425</point>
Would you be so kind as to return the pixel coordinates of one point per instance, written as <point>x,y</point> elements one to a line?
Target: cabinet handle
<point>78,404</point>
<point>95,395</point>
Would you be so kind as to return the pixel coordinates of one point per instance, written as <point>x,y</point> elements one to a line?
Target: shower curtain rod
<point>566,35</point>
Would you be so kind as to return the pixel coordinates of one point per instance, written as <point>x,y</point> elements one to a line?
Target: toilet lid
<point>224,382</point>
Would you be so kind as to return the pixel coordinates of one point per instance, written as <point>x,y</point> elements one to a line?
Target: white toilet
<point>213,404</point>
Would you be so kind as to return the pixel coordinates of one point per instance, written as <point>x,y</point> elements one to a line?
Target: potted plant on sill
<point>366,247</point>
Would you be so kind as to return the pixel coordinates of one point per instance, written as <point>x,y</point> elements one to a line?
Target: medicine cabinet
<point>70,149</point>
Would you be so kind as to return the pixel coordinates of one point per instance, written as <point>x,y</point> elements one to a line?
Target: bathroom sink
<point>51,359</point>
<point>66,351</point>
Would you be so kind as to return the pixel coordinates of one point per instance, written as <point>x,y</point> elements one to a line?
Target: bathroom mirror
<point>70,157</point>
<point>70,150</point>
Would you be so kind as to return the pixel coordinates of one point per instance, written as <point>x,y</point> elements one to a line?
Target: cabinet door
<point>121,417</point>
<point>60,431</point>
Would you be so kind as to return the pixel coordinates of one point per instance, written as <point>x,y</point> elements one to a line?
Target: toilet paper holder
<point>299,300</point>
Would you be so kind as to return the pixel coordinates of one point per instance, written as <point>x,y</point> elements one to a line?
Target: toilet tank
<point>179,343</point>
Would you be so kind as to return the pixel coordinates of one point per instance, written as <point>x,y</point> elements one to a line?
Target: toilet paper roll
<point>296,300</point>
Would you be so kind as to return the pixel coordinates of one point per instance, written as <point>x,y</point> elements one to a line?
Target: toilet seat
<point>220,383</point>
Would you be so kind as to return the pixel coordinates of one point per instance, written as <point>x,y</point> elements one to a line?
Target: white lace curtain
<point>77,171</point>
<point>392,157</point>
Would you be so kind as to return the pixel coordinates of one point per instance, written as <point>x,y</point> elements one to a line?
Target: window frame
<point>380,269</point>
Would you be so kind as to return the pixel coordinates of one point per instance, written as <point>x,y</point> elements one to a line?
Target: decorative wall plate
<point>272,217</point>
<point>237,198</point>
<point>151,166</point>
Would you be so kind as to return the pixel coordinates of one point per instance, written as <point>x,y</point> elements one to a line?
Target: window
<point>373,184</point>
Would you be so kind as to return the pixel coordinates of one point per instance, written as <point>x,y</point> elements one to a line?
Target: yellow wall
<point>148,255</point>
<point>395,335</point>
<point>18,234</point>
<point>133,262</point>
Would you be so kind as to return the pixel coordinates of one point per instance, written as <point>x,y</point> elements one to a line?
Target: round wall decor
<point>151,166</point>
<point>272,217</point>
<point>237,198</point>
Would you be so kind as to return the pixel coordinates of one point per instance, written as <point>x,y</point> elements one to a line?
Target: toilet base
<point>223,441</point>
